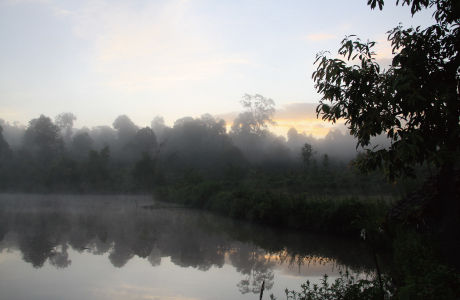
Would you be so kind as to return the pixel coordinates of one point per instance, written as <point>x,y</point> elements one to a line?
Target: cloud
<point>228,117</point>
<point>384,52</point>
<point>297,111</point>
<point>147,45</point>
<point>320,37</point>
<point>302,116</point>
<point>12,114</point>
<point>152,47</point>
<point>290,112</point>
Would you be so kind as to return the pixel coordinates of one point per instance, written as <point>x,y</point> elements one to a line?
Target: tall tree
<point>5,151</point>
<point>258,115</point>
<point>306,153</point>
<point>126,129</point>
<point>44,138</point>
<point>65,121</point>
<point>416,102</point>
<point>82,143</point>
<point>146,139</point>
<point>158,126</point>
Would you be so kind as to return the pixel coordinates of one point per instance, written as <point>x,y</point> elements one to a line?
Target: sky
<point>101,59</point>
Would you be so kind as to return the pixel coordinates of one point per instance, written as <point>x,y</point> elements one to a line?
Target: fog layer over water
<point>129,247</point>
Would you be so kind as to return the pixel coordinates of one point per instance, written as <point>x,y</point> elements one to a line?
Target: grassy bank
<point>417,270</point>
<point>347,215</point>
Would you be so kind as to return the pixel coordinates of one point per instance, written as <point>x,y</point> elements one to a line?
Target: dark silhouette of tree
<point>44,138</point>
<point>416,102</point>
<point>306,153</point>
<point>97,168</point>
<point>146,139</point>
<point>144,171</point>
<point>233,156</point>
<point>126,129</point>
<point>103,136</point>
<point>64,174</point>
<point>4,223</point>
<point>325,161</point>
<point>5,151</point>
<point>82,143</point>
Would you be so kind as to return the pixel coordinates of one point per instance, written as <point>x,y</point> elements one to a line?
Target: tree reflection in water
<point>44,228</point>
<point>254,263</point>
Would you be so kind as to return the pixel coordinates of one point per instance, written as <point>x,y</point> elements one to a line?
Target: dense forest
<point>47,156</point>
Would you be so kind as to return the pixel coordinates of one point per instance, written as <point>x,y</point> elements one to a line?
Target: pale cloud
<point>229,117</point>
<point>60,12</point>
<point>320,37</point>
<point>313,127</point>
<point>297,111</point>
<point>147,46</point>
<point>153,47</point>
<point>302,116</point>
<point>9,113</point>
<point>383,50</point>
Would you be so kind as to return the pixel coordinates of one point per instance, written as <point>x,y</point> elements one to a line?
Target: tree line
<point>52,156</point>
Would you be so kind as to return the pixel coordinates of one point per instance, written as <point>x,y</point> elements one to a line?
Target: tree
<point>65,121</point>
<point>416,102</point>
<point>325,161</point>
<point>5,151</point>
<point>126,129</point>
<point>82,143</point>
<point>257,118</point>
<point>146,139</point>
<point>306,153</point>
<point>103,136</point>
<point>158,126</point>
<point>44,137</point>
<point>97,168</point>
<point>144,171</point>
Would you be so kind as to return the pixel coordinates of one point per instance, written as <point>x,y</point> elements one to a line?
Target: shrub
<point>345,287</point>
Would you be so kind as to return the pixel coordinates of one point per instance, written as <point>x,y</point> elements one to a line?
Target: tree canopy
<point>5,150</point>
<point>416,102</point>
<point>44,137</point>
<point>257,117</point>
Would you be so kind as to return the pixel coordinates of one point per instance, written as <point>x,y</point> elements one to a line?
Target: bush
<point>419,273</point>
<point>345,287</point>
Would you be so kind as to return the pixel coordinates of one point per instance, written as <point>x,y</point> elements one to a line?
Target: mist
<point>53,156</point>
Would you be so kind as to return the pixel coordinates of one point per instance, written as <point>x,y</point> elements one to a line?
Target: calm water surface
<point>130,247</point>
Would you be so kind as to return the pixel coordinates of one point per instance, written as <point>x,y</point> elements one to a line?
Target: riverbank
<point>417,270</point>
<point>344,215</point>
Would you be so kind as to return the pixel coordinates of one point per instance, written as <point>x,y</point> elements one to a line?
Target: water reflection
<point>255,265</point>
<point>44,228</point>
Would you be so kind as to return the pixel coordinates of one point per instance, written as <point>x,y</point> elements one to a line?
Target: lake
<point>131,247</point>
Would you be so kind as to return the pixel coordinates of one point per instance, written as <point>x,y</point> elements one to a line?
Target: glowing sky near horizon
<point>100,59</point>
